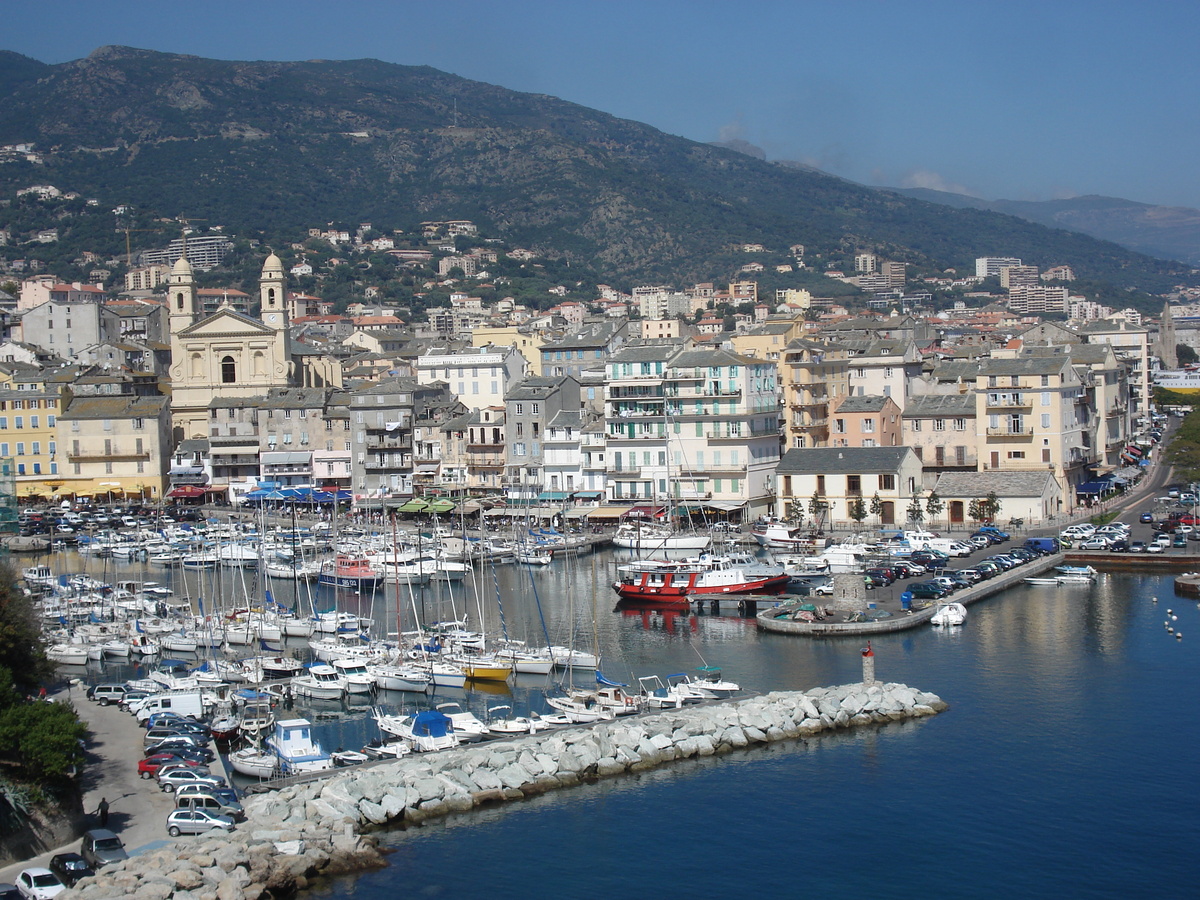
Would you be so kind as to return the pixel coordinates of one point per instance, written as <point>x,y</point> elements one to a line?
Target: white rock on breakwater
<point>304,830</point>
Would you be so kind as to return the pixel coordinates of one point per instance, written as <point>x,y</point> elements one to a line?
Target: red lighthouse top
<point>867,651</point>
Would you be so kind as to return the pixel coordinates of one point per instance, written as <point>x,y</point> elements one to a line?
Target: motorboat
<point>534,556</point>
<point>663,582</point>
<point>344,758</point>
<point>353,676</point>
<point>711,685</point>
<point>425,732</point>
<point>482,668</point>
<point>321,682</point>
<point>400,678</point>
<point>68,654</point>
<point>502,723</point>
<point>658,695</point>
<point>779,535</point>
<point>949,614</point>
<point>466,724</point>
<point>581,706</point>
<point>297,752</point>
<point>567,658</point>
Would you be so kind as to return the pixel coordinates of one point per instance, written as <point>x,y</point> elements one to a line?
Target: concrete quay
<point>900,619</point>
<point>305,831</point>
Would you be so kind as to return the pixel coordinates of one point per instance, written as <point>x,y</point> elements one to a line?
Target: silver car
<point>196,821</point>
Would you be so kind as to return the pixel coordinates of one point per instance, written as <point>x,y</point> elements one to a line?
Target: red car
<point>149,766</point>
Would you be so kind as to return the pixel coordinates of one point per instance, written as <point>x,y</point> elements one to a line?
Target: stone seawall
<point>312,829</point>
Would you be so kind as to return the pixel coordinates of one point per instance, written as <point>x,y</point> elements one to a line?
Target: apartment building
<point>530,407</point>
<point>474,450</point>
<point>812,375</point>
<point>115,445</point>
<point>478,376</point>
<point>866,421</point>
<point>941,429</point>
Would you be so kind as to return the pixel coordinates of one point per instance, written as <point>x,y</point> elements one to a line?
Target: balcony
<point>114,456</point>
<point>635,393</point>
<point>379,465</point>
<point>648,436</point>
<point>233,440</point>
<point>287,470</point>
<point>485,462</point>
<point>1011,434</point>
<point>521,482</point>
<point>377,441</point>
<point>636,412</point>
<point>720,434</point>
<point>235,459</point>
<point>484,446</point>
<point>634,471</point>
<point>697,469</point>
<point>1009,402</point>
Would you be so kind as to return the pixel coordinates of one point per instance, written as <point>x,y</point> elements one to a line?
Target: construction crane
<point>128,250</point>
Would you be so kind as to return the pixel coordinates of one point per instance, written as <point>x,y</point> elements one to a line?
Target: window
<point>49,421</point>
<point>1045,420</point>
<point>1016,454</point>
<point>37,448</point>
<point>518,449</point>
<point>139,423</point>
<point>228,370</point>
<point>18,421</point>
<point>3,423</point>
<point>839,426</point>
<point>916,425</point>
<point>868,426</point>
<point>520,409</point>
<point>4,449</point>
<point>887,482</point>
<point>939,424</point>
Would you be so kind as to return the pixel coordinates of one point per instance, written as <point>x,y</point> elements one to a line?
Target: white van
<point>186,703</point>
<point>950,547</point>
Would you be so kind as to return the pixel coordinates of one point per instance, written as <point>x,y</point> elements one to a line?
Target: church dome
<point>273,265</point>
<point>181,267</point>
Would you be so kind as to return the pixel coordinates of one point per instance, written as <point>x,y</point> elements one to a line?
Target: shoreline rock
<point>321,828</point>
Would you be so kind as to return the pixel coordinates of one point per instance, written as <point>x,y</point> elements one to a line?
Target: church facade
<point>225,353</point>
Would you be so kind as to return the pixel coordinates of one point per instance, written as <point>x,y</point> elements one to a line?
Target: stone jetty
<point>302,831</point>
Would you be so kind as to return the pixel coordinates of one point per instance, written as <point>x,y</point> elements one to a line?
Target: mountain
<point>1168,232</point>
<point>271,148</point>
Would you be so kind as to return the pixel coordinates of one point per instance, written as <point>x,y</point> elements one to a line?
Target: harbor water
<point>1065,765</point>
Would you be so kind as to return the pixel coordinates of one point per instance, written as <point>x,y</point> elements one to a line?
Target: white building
<point>478,376</point>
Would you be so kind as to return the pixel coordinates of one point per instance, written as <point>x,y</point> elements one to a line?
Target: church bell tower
<point>181,296</point>
<point>273,294</point>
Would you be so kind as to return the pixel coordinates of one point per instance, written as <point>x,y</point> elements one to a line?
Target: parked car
<point>223,801</point>
<point>990,538</point>
<point>972,575</point>
<point>926,590</point>
<point>105,694</point>
<point>38,883</point>
<point>149,767</point>
<point>1118,546</point>
<point>979,541</point>
<point>196,821</point>
<point>1155,547</point>
<point>1137,546</point>
<point>70,868</point>
<point>880,573</point>
<point>991,530</point>
<point>1096,542</point>
<point>173,777</point>
<point>908,569</point>
<point>101,847</point>
<point>170,745</point>
<point>1162,539</point>
<point>1179,541</point>
<point>9,892</point>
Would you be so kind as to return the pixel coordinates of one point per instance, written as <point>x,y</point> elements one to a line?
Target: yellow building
<point>528,342</point>
<point>28,419</point>
<point>115,446</point>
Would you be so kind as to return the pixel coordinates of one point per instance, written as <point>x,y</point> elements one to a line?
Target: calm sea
<point>1065,766</point>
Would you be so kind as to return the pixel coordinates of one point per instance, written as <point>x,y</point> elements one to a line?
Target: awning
<point>413,505</point>
<point>1093,487</point>
<point>1136,451</point>
<point>440,506</point>
<point>428,468</point>
<point>579,513</point>
<point>554,495</point>
<point>723,505</point>
<point>216,489</point>
<point>608,512</point>
<point>646,512</point>
<point>589,495</point>
<point>289,458</point>
<point>186,490</point>
<point>470,507</point>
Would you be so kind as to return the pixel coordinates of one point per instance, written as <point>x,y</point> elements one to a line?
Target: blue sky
<point>1016,100</point>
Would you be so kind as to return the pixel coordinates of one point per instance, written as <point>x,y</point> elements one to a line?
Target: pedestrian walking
<point>102,810</point>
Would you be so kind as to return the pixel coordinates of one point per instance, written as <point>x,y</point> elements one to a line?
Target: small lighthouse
<point>868,656</point>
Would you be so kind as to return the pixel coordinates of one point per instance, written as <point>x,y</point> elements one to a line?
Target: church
<point>233,355</point>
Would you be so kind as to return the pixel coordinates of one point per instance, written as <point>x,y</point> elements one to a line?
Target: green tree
<point>991,506</point>
<point>21,646</point>
<point>1186,355</point>
<point>916,512</point>
<point>976,510</point>
<point>858,510</point>
<point>934,506</point>
<point>877,507</point>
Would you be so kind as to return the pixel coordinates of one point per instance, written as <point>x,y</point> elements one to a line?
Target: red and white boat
<point>352,572</point>
<point>664,581</point>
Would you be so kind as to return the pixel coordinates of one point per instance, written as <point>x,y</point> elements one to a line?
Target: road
<point>137,808</point>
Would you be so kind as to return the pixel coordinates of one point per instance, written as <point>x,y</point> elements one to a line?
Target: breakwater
<point>307,830</point>
<point>778,618</point>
